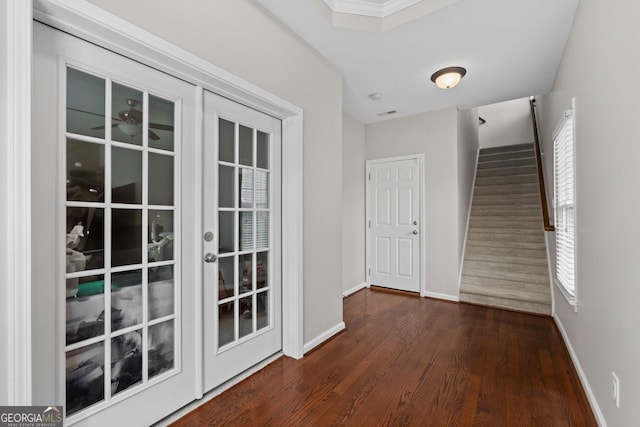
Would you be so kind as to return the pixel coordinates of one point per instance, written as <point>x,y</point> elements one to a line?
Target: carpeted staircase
<point>505,263</point>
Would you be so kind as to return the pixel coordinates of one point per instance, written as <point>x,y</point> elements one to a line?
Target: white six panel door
<point>394,197</point>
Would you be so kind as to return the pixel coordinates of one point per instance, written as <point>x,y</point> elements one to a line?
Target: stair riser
<point>518,199</point>
<point>505,244</point>
<point>516,170</point>
<point>506,149</point>
<point>506,180</point>
<point>538,260</point>
<point>526,307</point>
<point>510,224</point>
<point>494,210</point>
<point>489,251</point>
<point>492,190</point>
<point>506,163</point>
<point>507,156</point>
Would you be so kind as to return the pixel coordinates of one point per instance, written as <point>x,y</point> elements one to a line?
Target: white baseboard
<point>445,297</point>
<point>323,337</point>
<point>354,289</point>
<point>583,377</point>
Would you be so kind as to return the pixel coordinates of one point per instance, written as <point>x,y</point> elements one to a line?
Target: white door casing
<point>394,223</point>
<point>131,170</point>
<point>242,278</point>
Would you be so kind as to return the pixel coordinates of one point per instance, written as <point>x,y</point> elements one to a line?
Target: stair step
<point>539,261</point>
<point>491,267</point>
<point>512,292</point>
<point>507,180</point>
<point>490,282</point>
<point>506,254</point>
<point>504,199</point>
<point>493,164</point>
<point>513,170</point>
<point>514,224</point>
<point>508,155</point>
<point>506,275</point>
<point>515,236</point>
<point>505,210</point>
<point>508,304</point>
<point>506,244</point>
<point>507,189</point>
<point>506,148</point>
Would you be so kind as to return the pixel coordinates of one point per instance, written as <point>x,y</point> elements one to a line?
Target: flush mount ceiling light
<point>449,77</point>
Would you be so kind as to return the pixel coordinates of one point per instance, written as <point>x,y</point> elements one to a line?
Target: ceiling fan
<point>129,121</point>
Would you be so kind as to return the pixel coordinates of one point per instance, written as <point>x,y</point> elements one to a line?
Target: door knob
<point>415,222</point>
<point>209,257</point>
<point>414,232</point>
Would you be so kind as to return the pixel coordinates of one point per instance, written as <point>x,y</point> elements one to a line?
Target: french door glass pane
<point>121,197</point>
<point>226,187</point>
<point>226,323</point>
<point>126,112</point>
<point>263,309</point>
<point>262,149</point>
<point>85,171</point>
<point>246,317</point>
<point>85,377</point>
<point>85,104</point>
<point>161,133</point>
<point>226,143</point>
<point>246,146</point>
<point>126,176</point>
<point>226,281</point>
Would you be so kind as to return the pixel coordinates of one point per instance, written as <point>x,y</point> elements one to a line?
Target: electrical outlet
<point>615,389</point>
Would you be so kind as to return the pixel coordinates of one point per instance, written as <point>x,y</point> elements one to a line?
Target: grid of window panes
<point>244,209</point>
<point>564,189</point>
<point>120,241</point>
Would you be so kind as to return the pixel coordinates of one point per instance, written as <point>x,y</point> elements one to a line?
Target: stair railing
<point>543,193</point>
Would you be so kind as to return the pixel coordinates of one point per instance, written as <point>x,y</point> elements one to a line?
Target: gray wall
<point>4,256</point>
<point>353,203</point>
<point>435,135</point>
<point>467,159</point>
<point>508,123</point>
<point>273,58</point>
<point>599,69</point>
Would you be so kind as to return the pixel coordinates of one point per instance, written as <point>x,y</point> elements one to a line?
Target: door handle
<point>414,232</point>
<point>209,257</point>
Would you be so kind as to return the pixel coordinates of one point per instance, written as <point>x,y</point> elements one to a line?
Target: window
<point>565,212</point>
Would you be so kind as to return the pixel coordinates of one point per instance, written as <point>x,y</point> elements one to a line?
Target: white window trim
<point>572,299</point>
<point>94,24</point>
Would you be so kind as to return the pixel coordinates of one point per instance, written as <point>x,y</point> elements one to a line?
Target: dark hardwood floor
<point>408,361</point>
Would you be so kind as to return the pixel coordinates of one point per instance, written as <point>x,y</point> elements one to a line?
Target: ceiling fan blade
<point>153,136</point>
<point>160,126</point>
<point>85,112</point>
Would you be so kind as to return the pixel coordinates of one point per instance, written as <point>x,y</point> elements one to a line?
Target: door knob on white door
<point>414,232</point>
<point>209,257</point>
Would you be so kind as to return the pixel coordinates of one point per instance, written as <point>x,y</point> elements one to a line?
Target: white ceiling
<point>510,48</point>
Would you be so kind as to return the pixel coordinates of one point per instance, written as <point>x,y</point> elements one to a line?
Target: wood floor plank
<point>405,361</point>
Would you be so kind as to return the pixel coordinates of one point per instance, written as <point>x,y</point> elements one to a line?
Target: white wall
<point>508,123</point>
<point>435,135</point>
<point>353,203</point>
<point>604,333</point>
<point>4,256</point>
<point>467,158</point>
<point>242,38</point>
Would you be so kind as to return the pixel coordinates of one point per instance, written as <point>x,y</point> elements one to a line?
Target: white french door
<point>114,232</point>
<point>241,241</point>
<point>394,223</point>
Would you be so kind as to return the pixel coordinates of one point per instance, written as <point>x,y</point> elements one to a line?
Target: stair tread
<point>507,148</point>
<point>508,179</point>
<point>526,253</point>
<point>540,259</point>
<point>509,304</point>
<point>506,275</point>
<point>505,284</point>
<point>507,171</point>
<point>507,155</point>
<point>506,244</point>
<point>502,163</point>
<point>513,294</point>
<point>491,266</point>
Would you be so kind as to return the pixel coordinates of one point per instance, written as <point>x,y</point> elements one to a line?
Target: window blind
<point>564,189</point>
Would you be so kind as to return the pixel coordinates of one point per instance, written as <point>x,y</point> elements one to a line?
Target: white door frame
<point>94,24</point>
<point>420,159</point>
